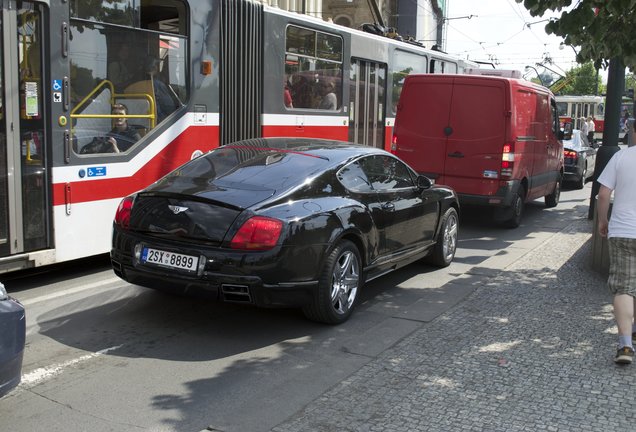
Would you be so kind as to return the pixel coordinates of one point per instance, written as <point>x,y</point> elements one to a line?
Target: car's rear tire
<point>552,200</point>
<point>338,287</point>
<point>446,241</point>
<point>580,184</point>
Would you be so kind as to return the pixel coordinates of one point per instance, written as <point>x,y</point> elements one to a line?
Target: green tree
<point>582,80</point>
<point>601,29</point>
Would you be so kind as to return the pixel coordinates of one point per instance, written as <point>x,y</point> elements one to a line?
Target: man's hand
<point>113,142</point>
<point>602,208</point>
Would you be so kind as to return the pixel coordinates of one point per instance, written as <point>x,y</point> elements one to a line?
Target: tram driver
<point>120,138</point>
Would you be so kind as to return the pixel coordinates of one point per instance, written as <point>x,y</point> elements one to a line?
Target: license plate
<point>169,259</point>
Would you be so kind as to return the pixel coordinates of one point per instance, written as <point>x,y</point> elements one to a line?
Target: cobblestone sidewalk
<point>530,350</point>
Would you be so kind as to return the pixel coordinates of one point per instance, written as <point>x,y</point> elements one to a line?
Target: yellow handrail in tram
<point>115,96</point>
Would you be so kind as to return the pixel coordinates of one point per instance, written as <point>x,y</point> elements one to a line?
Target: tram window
<point>404,63</point>
<point>159,15</point>
<point>440,66</point>
<point>313,70</point>
<point>120,12</point>
<point>329,47</point>
<point>562,108</point>
<point>142,69</point>
<point>301,41</point>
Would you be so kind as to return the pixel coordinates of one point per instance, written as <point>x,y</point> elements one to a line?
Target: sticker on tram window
<point>31,98</point>
<point>96,171</point>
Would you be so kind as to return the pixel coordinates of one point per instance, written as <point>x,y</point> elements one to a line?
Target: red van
<point>495,140</point>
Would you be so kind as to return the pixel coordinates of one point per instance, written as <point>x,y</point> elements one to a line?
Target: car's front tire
<point>338,287</point>
<point>446,241</point>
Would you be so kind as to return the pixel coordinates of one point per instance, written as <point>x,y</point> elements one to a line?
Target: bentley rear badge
<point>177,209</point>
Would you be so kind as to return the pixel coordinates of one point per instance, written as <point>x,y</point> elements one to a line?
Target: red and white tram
<point>573,109</point>
<point>193,75</point>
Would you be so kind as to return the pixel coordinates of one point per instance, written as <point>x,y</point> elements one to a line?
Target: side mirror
<point>424,182</point>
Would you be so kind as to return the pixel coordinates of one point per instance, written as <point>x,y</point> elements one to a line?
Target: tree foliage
<point>582,80</point>
<point>601,29</point>
<point>630,82</point>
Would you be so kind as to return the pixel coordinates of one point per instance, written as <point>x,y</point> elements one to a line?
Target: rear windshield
<point>264,167</point>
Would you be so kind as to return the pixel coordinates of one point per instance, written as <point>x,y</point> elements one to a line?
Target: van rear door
<point>479,122</point>
<point>423,113</point>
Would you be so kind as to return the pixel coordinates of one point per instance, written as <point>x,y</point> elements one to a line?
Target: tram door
<point>24,191</point>
<point>366,110</point>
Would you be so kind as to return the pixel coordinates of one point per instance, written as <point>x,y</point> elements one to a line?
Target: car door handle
<point>388,206</point>
<point>456,154</point>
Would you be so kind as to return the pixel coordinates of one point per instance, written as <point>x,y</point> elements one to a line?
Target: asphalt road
<point>104,355</point>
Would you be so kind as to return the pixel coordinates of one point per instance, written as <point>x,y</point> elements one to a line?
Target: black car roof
<point>333,150</point>
<point>247,172</point>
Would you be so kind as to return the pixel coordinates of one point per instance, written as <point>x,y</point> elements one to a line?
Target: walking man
<point>591,128</point>
<point>619,176</point>
<point>584,131</point>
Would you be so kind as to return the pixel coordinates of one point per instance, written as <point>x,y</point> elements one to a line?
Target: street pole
<point>615,87</point>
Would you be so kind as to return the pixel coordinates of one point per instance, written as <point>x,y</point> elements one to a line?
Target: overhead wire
<point>490,47</point>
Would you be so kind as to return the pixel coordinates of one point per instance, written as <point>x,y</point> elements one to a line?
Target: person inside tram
<point>287,97</point>
<point>166,101</point>
<point>118,71</point>
<point>329,100</point>
<point>120,138</point>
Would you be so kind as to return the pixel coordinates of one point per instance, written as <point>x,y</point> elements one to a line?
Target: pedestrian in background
<point>584,130</point>
<point>591,128</point>
<point>619,176</point>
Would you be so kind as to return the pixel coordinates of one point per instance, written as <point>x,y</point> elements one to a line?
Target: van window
<point>555,116</point>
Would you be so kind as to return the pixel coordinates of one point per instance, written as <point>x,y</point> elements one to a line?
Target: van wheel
<point>516,210</point>
<point>446,241</point>
<point>338,287</point>
<point>553,199</point>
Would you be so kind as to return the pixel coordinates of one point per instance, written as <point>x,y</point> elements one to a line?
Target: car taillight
<point>122,217</point>
<point>257,233</point>
<point>570,154</point>
<point>507,160</point>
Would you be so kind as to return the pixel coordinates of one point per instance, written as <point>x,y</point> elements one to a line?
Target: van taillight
<point>394,142</point>
<point>122,216</point>
<point>507,160</point>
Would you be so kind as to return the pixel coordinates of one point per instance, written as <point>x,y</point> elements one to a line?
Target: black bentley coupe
<point>284,222</point>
